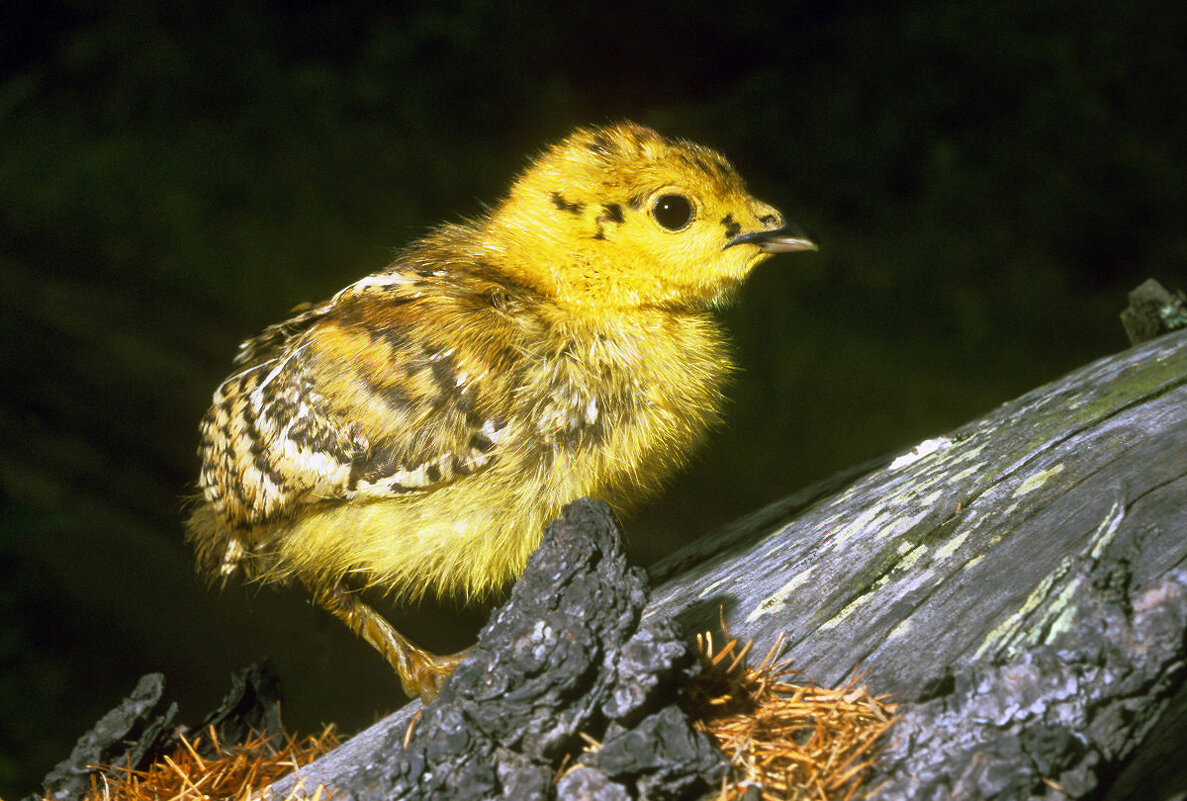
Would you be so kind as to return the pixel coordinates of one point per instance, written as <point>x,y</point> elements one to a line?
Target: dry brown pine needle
<point>233,775</point>
<point>791,741</point>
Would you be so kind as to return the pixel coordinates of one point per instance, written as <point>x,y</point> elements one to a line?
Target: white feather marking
<point>379,279</point>
<point>492,430</point>
<point>257,394</point>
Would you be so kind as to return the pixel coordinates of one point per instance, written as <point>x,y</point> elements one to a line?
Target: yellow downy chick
<point>416,431</point>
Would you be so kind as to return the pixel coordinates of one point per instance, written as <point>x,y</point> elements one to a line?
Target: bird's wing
<point>368,395</point>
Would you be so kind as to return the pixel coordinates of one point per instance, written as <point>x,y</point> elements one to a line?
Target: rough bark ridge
<point>565,656</point>
<point>144,726</point>
<point>1058,719</point>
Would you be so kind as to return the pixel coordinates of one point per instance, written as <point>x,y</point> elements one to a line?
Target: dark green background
<point>987,181</point>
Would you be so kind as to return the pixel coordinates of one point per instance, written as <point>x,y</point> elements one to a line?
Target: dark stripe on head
<point>559,201</point>
<point>601,144</point>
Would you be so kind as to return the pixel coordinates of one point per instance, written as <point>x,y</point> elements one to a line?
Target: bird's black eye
<point>672,211</point>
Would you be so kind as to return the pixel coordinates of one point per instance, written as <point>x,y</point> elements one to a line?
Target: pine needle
<point>792,741</point>
<point>231,775</point>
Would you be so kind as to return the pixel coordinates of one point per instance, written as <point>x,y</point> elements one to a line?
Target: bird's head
<point>620,216</point>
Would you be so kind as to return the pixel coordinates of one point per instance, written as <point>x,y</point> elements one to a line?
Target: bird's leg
<point>421,673</point>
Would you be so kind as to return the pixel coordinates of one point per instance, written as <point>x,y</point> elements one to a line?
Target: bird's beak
<point>785,239</point>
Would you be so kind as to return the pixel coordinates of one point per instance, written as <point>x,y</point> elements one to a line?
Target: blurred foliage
<point>987,180</point>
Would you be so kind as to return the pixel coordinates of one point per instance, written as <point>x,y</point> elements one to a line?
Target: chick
<point>417,430</point>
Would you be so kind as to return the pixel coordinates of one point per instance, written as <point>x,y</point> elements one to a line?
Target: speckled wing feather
<point>358,397</point>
